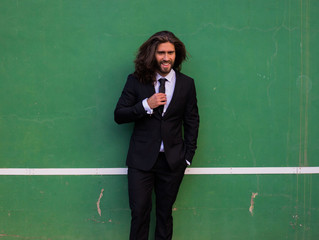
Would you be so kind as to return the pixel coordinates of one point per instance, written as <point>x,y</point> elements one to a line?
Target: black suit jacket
<point>178,128</point>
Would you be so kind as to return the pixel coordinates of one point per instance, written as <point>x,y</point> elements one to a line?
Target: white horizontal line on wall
<point>254,170</point>
<point>189,171</point>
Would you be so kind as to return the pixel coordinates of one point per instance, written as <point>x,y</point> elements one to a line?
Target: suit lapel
<point>150,89</point>
<point>176,93</point>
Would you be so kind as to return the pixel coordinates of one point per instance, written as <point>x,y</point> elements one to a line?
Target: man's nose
<point>165,56</point>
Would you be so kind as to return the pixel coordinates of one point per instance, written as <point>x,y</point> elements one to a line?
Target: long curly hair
<point>145,62</point>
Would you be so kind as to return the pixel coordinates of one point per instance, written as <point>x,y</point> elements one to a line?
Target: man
<point>162,103</point>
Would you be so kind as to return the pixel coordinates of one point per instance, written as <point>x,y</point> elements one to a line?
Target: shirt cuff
<point>147,107</point>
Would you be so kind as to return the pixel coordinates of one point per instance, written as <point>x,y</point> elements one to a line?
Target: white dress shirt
<point>169,90</point>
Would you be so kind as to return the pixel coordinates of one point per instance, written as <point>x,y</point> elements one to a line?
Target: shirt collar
<point>169,76</point>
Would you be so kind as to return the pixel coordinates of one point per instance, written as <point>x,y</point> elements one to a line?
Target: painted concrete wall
<point>63,65</point>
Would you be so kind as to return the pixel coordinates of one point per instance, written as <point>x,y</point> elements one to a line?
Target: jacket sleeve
<point>191,123</point>
<point>129,108</point>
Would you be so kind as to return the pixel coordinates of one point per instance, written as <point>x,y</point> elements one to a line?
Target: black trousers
<point>165,183</point>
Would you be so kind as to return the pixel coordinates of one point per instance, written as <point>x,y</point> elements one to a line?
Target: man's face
<point>165,57</point>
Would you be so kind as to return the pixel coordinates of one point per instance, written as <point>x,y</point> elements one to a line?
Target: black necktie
<point>161,90</point>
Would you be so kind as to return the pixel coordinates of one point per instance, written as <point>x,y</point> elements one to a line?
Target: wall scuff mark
<point>98,202</point>
<point>251,208</point>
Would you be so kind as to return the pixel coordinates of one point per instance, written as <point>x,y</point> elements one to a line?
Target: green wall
<point>63,65</point>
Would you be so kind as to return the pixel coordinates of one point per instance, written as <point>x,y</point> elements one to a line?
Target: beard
<point>164,67</point>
